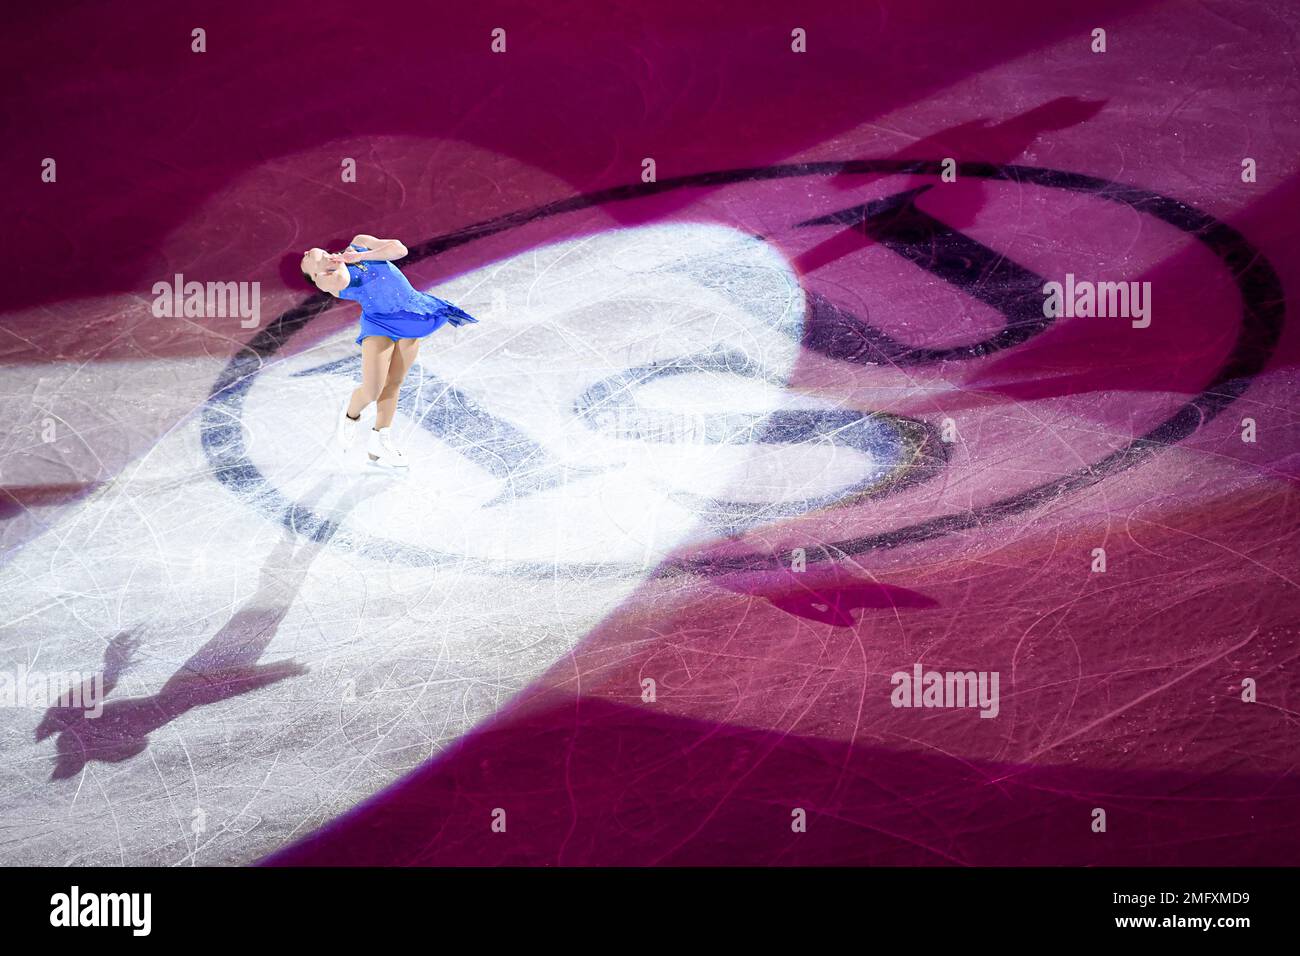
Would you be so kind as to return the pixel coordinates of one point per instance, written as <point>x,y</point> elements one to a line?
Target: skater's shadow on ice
<point>224,667</point>
<point>978,141</point>
<point>826,596</point>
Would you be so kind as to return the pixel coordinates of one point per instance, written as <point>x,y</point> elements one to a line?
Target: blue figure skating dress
<point>391,307</point>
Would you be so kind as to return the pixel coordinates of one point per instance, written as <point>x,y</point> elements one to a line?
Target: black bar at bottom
<point>211,906</point>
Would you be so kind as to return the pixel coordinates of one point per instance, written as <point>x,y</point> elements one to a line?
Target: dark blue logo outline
<point>1263,315</point>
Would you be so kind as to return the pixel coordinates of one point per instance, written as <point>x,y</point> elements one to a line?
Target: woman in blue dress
<point>394,317</point>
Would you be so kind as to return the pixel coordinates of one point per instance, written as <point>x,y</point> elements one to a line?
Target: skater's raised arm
<point>377,250</point>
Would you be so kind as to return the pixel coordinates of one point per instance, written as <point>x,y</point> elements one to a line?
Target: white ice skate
<point>345,432</point>
<point>383,453</point>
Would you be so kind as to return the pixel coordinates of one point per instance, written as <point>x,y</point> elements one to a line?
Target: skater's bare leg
<point>403,358</point>
<point>376,356</point>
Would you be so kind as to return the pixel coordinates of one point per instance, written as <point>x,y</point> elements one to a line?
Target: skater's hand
<point>348,257</point>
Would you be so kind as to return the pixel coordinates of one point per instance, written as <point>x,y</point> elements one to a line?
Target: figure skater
<point>394,317</point>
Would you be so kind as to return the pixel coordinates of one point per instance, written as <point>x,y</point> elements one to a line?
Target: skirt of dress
<point>413,325</point>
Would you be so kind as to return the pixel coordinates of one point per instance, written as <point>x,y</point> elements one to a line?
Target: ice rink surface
<point>726,451</point>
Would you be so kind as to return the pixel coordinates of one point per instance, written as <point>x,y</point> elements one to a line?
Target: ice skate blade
<point>387,468</point>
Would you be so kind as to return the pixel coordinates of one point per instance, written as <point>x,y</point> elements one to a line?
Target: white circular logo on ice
<point>615,402</point>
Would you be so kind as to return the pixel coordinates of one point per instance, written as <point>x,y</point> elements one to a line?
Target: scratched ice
<point>282,632</point>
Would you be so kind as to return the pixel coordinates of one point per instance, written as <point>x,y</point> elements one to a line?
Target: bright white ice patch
<point>284,639</point>
<point>505,464</point>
